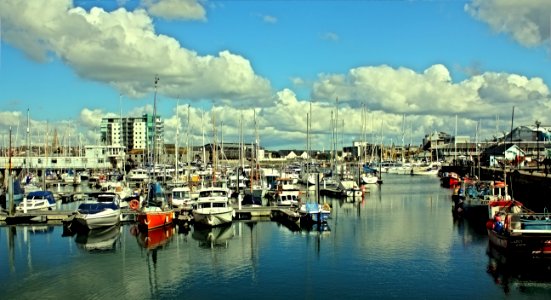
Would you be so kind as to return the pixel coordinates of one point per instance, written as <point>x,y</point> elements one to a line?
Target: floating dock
<point>184,215</point>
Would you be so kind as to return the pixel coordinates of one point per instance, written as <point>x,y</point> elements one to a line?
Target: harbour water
<point>400,242</point>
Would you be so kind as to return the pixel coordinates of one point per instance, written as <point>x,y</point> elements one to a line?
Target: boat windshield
<point>212,193</point>
<point>180,195</point>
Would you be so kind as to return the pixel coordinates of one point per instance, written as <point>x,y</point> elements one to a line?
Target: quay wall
<point>529,186</point>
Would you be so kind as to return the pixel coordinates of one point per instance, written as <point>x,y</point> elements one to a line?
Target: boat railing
<point>526,223</point>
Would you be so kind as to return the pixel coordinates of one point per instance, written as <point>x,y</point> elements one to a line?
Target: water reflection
<point>470,231</point>
<point>99,240</point>
<point>213,237</point>
<point>523,274</point>
<point>155,238</point>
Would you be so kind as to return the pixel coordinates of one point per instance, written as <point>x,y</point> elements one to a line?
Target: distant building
<point>497,155</point>
<point>132,132</point>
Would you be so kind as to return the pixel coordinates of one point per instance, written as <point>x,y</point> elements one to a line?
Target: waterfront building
<point>132,132</point>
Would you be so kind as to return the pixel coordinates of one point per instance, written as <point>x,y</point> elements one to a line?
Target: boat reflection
<point>213,237</point>
<point>299,228</point>
<point>99,240</point>
<point>153,238</point>
<point>524,274</point>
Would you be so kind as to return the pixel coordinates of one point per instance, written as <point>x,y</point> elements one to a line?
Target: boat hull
<point>148,220</point>
<point>534,244</point>
<point>106,218</point>
<point>213,217</point>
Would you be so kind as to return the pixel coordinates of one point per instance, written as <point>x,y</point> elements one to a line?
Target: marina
<point>400,241</point>
<point>179,149</point>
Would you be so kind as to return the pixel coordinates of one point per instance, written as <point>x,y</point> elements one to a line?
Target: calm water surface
<point>400,242</point>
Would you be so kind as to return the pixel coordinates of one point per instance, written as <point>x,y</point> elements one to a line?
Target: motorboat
<point>181,197</point>
<point>37,200</point>
<point>287,192</point>
<point>213,207</point>
<point>99,210</point>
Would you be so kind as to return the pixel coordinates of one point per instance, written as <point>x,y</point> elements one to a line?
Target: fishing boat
<point>473,199</point>
<point>38,200</point>
<point>450,179</point>
<point>154,212</point>
<point>517,230</point>
<point>98,210</point>
<point>213,208</point>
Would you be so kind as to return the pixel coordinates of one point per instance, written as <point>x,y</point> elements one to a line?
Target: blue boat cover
<point>92,208</point>
<point>42,194</point>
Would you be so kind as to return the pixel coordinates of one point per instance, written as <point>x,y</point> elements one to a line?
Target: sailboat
<point>256,191</point>
<point>155,212</point>
<point>213,206</point>
<point>311,211</point>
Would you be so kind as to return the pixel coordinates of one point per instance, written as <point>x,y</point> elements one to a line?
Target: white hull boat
<point>213,208</point>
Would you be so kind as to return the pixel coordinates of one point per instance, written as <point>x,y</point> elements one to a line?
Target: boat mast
<point>154,154</point>
<point>336,128</point>
<point>28,143</point>
<point>455,141</point>
<point>176,152</point>
<point>188,148</point>
<point>123,167</point>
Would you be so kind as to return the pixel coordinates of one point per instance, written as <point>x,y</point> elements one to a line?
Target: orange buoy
<point>134,204</point>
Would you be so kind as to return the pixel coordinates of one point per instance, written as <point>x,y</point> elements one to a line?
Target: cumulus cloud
<point>122,48</point>
<point>432,98</point>
<point>402,90</point>
<point>92,117</point>
<point>527,21</point>
<point>176,9</point>
<point>10,118</point>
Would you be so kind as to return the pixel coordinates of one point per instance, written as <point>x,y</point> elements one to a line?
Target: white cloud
<point>176,9</point>
<point>432,99</point>
<point>527,21</point>
<point>403,90</point>
<point>10,118</point>
<point>91,118</point>
<point>269,19</point>
<point>122,48</point>
<point>330,36</point>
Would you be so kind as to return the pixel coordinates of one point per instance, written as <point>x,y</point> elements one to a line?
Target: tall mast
<point>155,123</point>
<point>203,132</point>
<point>455,140</point>
<point>176,152</point>
<point>122,139</point>
<point>256,146</point>
<point>28,142</point>
<point>188,149</point>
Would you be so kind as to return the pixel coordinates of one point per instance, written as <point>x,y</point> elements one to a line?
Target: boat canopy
<point>155,195</point>
<point>91,208</point>
<point>42,195</point>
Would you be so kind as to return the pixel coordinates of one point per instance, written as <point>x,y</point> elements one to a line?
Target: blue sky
<point>72,62</point>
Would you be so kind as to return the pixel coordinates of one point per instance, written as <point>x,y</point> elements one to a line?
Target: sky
<point>378,71</point>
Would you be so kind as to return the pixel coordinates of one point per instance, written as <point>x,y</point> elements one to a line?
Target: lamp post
<point>538,123</point>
